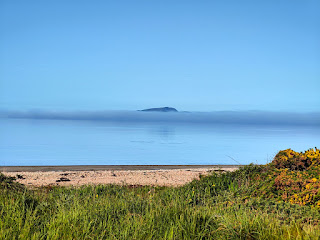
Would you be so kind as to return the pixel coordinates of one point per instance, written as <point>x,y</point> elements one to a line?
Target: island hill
<point>162,109</point>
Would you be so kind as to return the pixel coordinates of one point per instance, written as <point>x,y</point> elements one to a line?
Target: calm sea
<point>77,142</point>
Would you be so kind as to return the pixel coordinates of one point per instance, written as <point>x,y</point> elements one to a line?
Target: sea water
<point>27,142</point>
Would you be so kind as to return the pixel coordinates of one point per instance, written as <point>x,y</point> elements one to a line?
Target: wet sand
<point>156,175</point>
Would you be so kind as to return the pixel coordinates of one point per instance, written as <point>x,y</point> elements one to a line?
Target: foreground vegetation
<point>280,200</point>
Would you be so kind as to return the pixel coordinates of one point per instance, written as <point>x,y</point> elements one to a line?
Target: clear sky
<point>192,55</point>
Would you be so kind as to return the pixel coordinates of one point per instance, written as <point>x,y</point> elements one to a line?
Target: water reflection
<point>165,133</point>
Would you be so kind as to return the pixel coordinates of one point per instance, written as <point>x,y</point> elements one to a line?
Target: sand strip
<point>159,177</point>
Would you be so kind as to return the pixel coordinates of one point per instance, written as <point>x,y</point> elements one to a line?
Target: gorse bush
<point>291,177</point>
<point>297,161</point>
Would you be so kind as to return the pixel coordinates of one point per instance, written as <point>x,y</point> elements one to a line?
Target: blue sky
<point>192,55</point>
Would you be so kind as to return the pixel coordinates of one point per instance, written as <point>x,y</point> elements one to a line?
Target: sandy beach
<point>158,177</point>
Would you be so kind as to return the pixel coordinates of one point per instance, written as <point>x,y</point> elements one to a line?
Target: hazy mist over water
<point>128,137</point>
<point>217,117</point>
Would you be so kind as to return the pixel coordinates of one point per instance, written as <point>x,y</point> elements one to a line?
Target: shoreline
<point>130,175</point>
<point>63,168</point>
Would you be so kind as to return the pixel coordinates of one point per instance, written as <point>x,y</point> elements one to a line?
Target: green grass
<point>219,206</point>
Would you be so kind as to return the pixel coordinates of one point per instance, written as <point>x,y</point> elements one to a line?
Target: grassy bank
<point>254,202</point>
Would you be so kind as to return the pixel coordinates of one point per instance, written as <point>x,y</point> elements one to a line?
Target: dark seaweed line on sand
<point>106,167</point>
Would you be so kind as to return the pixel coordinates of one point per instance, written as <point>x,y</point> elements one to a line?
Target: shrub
<point>297,161</point>
<point>9,183</point>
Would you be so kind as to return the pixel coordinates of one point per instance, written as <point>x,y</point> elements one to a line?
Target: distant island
<point>162,109</point>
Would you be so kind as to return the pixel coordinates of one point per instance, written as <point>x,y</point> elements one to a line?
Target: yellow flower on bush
<point>308,186</point>
<point>297,161</point>
<point>314,179</point>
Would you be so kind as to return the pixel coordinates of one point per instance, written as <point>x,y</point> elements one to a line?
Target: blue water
<point>76,142</point>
